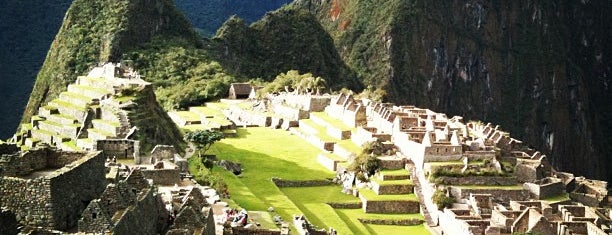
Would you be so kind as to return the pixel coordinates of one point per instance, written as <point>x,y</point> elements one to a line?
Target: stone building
<point>239,91</point>
<point>131,206</point>
<point>48,188</point>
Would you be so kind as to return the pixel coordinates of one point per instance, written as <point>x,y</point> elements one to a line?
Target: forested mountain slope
<point>540,69</point>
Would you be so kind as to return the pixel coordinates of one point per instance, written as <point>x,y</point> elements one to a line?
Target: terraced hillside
<point>266,153</point>
<point>96,107</point>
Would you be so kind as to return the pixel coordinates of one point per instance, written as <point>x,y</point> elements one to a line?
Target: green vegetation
<point>97,31</point>
<point>441,200</point>
<point>203,139</point>
<point>283,40</point>
<point>154,125</point>
<point>184,74</point>
<point>288,157</point>
<point>367,161</point>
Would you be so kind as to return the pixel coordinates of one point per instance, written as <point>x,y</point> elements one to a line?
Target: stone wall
<point>300,183</point>
<point>119,148</point>
<point>541,191</point>
<point>390,207</point>
<point>56,200</point>
<point>498,194</point>
<point>400,222</point>
<point>162,152</point>
<point>290,113</point>
<point>143,217</point>
<point>391,189</point>
<point>327,162</point>
<point>345,205</point>
<point>477,180</point>
<point>163,176</point>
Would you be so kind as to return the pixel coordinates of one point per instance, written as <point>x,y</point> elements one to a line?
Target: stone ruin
<point>48,188</point>
<point>129,206</point>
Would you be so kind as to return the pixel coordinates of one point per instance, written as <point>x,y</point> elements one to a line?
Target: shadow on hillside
<point>241,133</point>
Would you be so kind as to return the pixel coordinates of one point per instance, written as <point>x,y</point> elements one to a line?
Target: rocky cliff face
<point>540,69</point>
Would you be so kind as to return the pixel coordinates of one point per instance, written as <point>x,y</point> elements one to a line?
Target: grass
<point>350,146</point>
<point>372,196</point>
<point>332,121</point>
<point>312,201</point>
<point>75,96</point>
<point>105,122</point>
<point>263,218</point>
<point>58,103</point>
<point>321,131</point>
<point>101,132</point>
<point>92,89</point>
<point>265,153</point>
<point>392,182</point>
<point>187,115</point>
<point>395,172</point>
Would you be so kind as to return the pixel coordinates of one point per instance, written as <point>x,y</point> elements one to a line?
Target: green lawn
<point>265,153</point>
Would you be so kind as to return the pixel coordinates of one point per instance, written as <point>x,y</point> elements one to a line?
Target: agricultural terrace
<point>265,153</point>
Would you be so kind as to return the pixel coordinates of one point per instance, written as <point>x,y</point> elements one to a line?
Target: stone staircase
<point>75,119</point>
<point>391,193</point>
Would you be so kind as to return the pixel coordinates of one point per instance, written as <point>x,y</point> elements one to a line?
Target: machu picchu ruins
<point>80,167</point>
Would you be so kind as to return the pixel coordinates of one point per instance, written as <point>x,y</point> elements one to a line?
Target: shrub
<point>441,200</point>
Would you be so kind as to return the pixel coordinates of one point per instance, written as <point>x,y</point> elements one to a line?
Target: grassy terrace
<point>214,111</point>
<point>105,122</point>
<point>321,131</point>
<point>372,196</point>
<point>349,145</point>
<point>76,96</point>
<point>392,182</point>
<point>332,121</point>
<point>91,89</point>
<point>265,153</point>
<point>100,132</point>
<point>395,172</point>
<point>187,116</point>
<point>61,103</point>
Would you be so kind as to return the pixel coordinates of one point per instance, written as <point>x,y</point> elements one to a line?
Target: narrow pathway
<point>419,193</point>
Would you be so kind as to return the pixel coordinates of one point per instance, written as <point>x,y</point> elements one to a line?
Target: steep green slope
<point>102,30</point>
<point>283,40</point>
<point>541,69</point>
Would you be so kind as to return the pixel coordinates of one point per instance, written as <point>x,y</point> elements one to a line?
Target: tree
<point>318,83</point>
<point>203,139</point>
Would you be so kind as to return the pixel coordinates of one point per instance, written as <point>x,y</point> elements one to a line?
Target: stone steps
<point>62,119</point>
<point>47,110</point>
<point>393,175</point>
<point>69,109</point>
<point>109,127</point>
<point>85,143</point>
<point>330,161</point>
<point>88,91</point>
<point>97,134</point>
<point>392,187</point>
<point>74,98</point>
<point>102,83</point>
<point>388,204</point>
